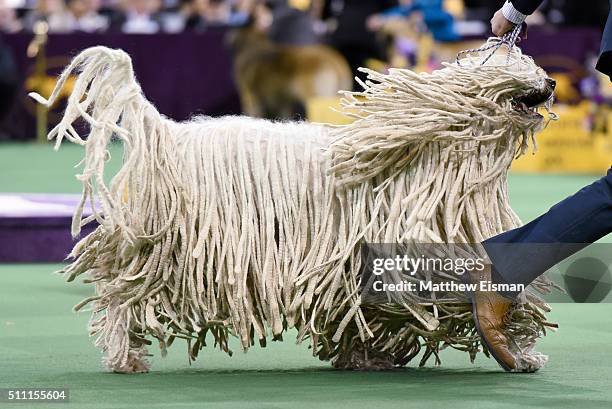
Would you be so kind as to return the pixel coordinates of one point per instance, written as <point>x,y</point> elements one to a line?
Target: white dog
<point>245,227</point>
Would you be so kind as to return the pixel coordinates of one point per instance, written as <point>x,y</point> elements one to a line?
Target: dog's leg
<point>250,104</point>
<point>362,358</point>
<point>124,352</point>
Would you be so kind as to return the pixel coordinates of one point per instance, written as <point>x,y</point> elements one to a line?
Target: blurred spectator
<point>211,13</point>
<point>481,10</point>
<point>576,13</point>
<point>42,11</point>
<point>78,15</point>
<point>8,80</point>
<point>290,26</point>
<point>138,17</point>
<point>8,18</point>
<point>349,33</point>
<point>343,21</point>
<point>438,21</point>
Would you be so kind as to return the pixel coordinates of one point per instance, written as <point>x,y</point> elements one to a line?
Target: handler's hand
<point>500,25</point>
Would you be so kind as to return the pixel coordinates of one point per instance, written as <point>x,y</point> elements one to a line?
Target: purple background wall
<point>182,74</point>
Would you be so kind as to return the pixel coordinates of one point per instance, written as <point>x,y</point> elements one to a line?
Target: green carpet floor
<point>43,344</point>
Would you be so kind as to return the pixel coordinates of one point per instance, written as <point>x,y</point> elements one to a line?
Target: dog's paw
<point>136,362</point>
<point>529,361</point>
<point>133,366</point>
<point>360,359</point>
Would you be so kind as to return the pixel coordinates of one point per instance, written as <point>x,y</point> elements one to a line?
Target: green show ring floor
<point>44,344</point>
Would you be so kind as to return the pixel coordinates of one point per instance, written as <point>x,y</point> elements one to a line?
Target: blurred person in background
<point>575,13</point>
<point>9,23</point>
<point>138,17</point>
<point>41,12</point>
<point>288,25</point>
<point>481,10</point>
<point>79,16</point>
<point>8,81</point>
<point>348,32</point>
<point>213,13</point>
<point>438,21</point>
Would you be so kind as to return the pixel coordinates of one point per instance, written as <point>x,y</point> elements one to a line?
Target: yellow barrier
<point>568,145</point>
<point>322,110</point>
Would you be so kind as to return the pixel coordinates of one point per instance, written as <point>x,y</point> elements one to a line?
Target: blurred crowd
<point>371,33</point>
<point>127,16</point>
<point>319,17</point>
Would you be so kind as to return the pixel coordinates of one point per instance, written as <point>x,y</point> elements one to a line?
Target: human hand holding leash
<point>500,25</point>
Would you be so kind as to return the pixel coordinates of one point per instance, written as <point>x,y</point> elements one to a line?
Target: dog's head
<point>530,99</point>
<point>519,86</point>
<point>531,89</point>
<point>480,104</point>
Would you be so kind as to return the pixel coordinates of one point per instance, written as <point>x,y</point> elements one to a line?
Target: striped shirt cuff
<point>512,14</point>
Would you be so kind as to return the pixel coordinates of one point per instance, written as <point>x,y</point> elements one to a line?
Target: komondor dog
<point>246,227</point>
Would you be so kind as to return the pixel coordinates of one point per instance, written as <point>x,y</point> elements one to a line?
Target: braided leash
<point>508,39</point>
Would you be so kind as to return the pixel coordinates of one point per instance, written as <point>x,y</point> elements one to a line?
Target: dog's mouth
<point>529,102</point>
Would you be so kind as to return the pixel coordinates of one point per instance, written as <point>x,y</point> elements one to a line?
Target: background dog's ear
<point>232,39</point>
<point>238,38</point>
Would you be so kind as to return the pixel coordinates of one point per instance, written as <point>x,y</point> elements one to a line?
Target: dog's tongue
<point>548,106</point>
<point>521,106</point>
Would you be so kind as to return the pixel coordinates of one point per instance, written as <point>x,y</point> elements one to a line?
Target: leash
<point>508,39</point>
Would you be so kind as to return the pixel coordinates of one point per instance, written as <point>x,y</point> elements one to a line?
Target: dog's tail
<point>107,97</point>
<point>105,78</point>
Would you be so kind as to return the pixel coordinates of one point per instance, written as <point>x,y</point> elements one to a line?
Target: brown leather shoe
<point>489,309</point>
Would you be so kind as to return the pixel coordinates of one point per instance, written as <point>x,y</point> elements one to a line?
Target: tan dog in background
<point>276,81</point>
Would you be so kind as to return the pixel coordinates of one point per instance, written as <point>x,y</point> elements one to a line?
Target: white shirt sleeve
<point>512,14</point>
